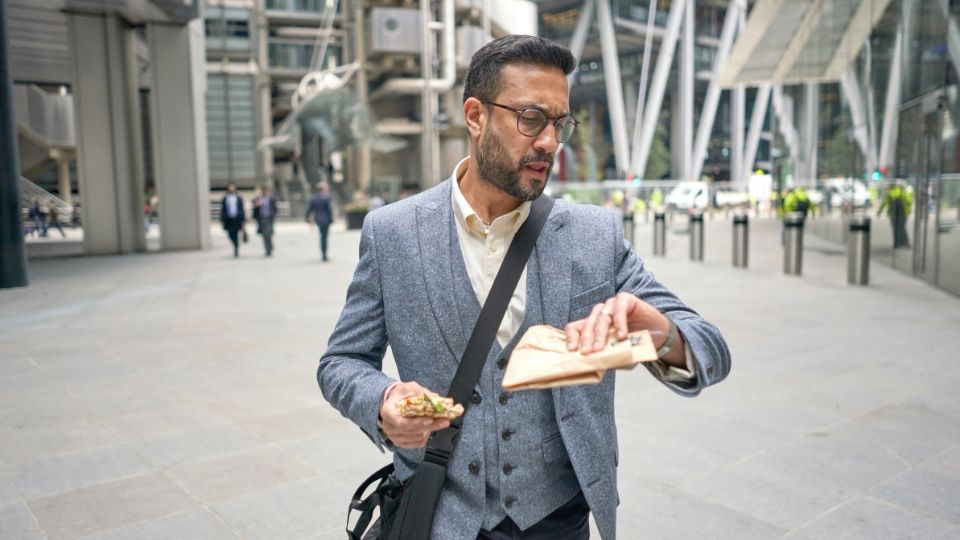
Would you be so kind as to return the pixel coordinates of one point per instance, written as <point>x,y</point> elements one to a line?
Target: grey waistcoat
<point>527,472</point>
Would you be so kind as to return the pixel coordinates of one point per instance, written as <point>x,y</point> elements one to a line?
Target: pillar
<point>103,74</point>
<point>13,260</point>
<point>177,61</point>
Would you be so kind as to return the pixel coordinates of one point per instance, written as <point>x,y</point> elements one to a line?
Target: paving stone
<point>81,469</point>
<point>190,525</point>
<point>109,506</point>
<point>843,458</point>
<point>928,491</point>
<point>237,474</point>
<point>867,519</point>
<point>670,514</point>
<point>781,496</point>
<point>17,523</point>
<point>34,444</point>
<point>168,449</point>
<point>304,509</point>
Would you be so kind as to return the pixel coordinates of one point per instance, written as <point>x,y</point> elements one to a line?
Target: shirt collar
<point>468,218</point>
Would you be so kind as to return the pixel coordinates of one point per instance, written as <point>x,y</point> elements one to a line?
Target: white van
<point>689,195</point>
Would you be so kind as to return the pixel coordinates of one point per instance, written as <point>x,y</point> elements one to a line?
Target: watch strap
<point>673,334</point>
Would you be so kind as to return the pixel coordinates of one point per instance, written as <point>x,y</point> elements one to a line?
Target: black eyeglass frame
<point>557,129</point>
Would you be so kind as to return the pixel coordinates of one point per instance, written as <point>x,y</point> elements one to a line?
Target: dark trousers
<point>324,229</point>
<point>569,522</point>
<point>234,235</point>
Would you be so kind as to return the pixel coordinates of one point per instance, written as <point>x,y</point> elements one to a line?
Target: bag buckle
<point>441,445</point>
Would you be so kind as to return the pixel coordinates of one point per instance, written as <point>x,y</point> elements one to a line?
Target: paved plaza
<point>173,396</point>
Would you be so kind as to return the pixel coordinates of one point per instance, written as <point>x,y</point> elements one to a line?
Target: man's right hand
<point>407,432</point>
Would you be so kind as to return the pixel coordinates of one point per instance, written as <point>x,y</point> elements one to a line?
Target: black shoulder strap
<point>478,347</point>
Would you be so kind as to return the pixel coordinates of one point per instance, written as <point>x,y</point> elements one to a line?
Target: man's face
<point>517,164</point>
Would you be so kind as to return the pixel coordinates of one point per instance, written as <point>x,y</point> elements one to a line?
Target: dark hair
<point>484,78</point>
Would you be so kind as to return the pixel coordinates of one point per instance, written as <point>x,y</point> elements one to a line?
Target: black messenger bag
<point>406,509</point>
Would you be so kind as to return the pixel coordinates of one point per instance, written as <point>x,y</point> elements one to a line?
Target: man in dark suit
<point>232,216</point>
<point>322,213</point>
<point>265,211</point>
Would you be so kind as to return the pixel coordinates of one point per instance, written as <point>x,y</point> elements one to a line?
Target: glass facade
<point>913,198</point>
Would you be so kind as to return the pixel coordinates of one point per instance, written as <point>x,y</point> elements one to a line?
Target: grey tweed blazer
<point>402,295</point>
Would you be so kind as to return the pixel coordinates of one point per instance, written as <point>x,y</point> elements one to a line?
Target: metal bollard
<point>858,251</point>
<point>696,236</point>
<point>741,239</point>
<point>793,244</point>
<point>660,234</point>
<point>628,226</point>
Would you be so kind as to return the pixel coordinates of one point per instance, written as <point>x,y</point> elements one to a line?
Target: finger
<point>620,308</point>
<point>604,323</point>
<point>573,334</point>
<point>589,330</point>
<point>439,424</point>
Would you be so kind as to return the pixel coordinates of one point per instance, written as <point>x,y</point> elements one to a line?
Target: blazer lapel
<point>436,256</point>
<point>554,269</point>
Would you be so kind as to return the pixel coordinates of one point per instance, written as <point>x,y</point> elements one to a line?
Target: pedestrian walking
<point>39,217</point>
<point>53,218</point>
<point>265,212</point>
<point>232,217</point>
<point>534,463</point>
<point>322,213</point>
<point>898,201</point>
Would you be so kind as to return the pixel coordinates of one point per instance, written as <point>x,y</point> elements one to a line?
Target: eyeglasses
<point>532,122</point>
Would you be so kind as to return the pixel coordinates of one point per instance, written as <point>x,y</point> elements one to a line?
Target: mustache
<point>539,156</point>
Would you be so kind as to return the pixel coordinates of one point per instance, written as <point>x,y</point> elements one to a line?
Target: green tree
<point>658,162</point>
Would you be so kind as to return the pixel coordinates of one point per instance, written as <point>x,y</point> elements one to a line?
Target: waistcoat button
<point>508,468</point>
<point>509,501</point>
<point>506,434</point>
<point>475,398</point>
<point>504,398</point>
<point>502,363</point>
<point>473,468</point>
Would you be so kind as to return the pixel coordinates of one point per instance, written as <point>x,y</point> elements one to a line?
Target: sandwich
<point>432,407</point>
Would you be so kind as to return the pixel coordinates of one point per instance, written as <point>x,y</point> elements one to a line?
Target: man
<point>232,216</point>
<point>531,464</point>
<point>264,212</point>
<point>898,202</point>
<point>322,213</point>
<point>797,200</point>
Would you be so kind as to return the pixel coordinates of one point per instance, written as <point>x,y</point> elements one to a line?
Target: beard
<point>494,166</point>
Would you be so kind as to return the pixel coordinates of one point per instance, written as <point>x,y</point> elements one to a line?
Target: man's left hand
<point>626,313</point>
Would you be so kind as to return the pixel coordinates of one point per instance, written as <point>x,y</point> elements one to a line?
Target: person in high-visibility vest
<point>656,199</point>
<point>797,201</point>
<point>898,201</point>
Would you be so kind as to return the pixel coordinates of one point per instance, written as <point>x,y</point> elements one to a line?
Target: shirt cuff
<point>386,394</point>
<point>670,373</point>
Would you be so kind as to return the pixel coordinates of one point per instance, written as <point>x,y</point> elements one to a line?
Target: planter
<point>355,219</point>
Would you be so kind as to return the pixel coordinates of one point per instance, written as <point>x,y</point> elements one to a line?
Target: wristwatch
<point>673,335</point>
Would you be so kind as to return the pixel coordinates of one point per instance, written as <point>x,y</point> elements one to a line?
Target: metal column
<point>756,125</point>
<point>858,251</point>
<point>793,244</point>
<point>888,136</point>
<point>741,241</point>
<point>659,234</point>
<point>686,94</point>
<point>710,102</point>
<point>579,38</point>
<point>696,236</point>
<point>651,112</point>
<point>13,260</point>
<point>613,82</point>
